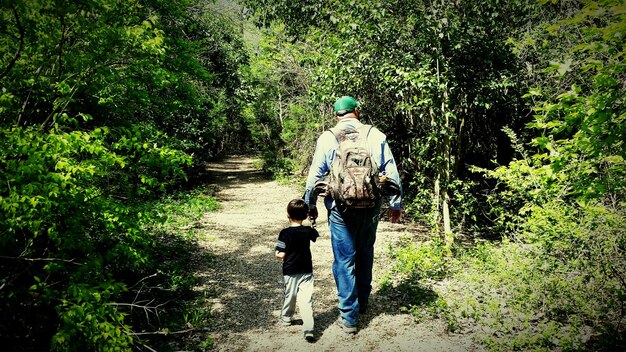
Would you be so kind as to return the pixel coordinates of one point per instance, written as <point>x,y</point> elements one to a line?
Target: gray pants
<point>299,287</point>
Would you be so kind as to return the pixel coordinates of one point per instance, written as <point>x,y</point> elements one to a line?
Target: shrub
<point>74,218</point>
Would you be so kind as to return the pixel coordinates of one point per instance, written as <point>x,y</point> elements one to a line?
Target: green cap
<point>345,105</point>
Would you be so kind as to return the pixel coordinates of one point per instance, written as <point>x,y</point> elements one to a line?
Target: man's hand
<point>313,213</point>
<point>394,215</point>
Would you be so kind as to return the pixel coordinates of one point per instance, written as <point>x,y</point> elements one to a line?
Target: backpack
<point>353,181</point>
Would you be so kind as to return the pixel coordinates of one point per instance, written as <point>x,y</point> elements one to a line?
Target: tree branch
<point>146,308</point>
<point>61,42</point>
<point>145,278</point>
<point>161,332</point>
<point>18,53</point>
<point>71,261</point>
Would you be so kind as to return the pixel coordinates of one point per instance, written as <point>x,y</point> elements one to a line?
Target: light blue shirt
<point>325,153</point>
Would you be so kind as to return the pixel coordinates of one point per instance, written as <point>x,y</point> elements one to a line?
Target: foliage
<point>204,112</point>
<point>86,321</point>
<point>557,281</point>
<point>509,294</point>
<point>282,120</point>
<point>106,106</point>
<point>182,208</point>
<point>437,77</point>
<point>517,296</point>
<point>424,260</point>
<point>125,63</point>
<point>570,192</point>
<point>171,279</point>
<point>102,104</point>
<point>69,225</point>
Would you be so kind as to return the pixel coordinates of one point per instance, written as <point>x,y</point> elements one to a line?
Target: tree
<point>568,184</point>
<point>437,77</point>
<point>100,100</point>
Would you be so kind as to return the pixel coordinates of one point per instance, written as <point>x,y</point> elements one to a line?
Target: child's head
<point>297,209</point>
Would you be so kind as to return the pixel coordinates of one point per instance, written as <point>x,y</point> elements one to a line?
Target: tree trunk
<point>445,208</point>
<point>446,170</point>
<point>436,202</point>
<point>280,111</point>
<point>458,162</point>
<point>437,185</point>
<point>443,176</point>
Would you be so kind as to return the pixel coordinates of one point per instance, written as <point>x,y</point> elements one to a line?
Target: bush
<point>558,285</point>
<point>277,166</point>
<point>74,217</point>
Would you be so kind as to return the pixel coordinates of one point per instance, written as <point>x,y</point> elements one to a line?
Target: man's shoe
<point>285,323</point>
<point>309,336</point>
<point>345,327</point>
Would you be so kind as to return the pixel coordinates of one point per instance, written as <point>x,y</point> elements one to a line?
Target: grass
<point>507,295</point>
<point>186,208</point>
<point>181,320</point>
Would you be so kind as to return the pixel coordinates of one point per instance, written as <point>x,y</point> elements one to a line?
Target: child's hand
<point>280,255</point>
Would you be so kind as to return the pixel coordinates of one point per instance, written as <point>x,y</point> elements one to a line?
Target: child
<point>293,248</point>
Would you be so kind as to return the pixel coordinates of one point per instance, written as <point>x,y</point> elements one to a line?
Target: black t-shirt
<point>295,241</point>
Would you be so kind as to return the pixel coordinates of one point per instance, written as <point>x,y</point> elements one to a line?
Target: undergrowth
<point>185,208</point>
<point>520,294</point>
<point>179,320</point>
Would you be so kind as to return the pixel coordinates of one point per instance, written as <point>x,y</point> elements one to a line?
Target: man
<point>353,231</point>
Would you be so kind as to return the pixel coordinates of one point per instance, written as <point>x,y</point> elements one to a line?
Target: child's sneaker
<point>309,336</point>
<point>345,327</point>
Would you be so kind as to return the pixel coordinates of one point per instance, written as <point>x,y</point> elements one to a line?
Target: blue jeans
<point>352,235</point>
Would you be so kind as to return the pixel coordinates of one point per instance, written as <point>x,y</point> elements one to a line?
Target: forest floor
<point>244,282</point>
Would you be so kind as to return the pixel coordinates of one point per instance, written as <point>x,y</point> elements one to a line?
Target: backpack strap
<point>335,133</point>
<point>382,154</point>
<point>383,163</point>
<point>369,129</point>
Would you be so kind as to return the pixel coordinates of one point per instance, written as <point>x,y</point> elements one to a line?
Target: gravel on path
<point>245,278</point>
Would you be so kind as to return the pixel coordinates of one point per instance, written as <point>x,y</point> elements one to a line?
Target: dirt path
<point>246,277</point>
